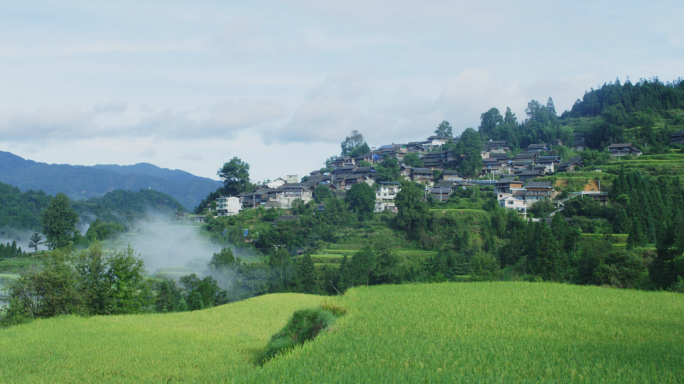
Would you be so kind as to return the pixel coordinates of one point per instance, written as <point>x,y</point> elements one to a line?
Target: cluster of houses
<point>515,190</point>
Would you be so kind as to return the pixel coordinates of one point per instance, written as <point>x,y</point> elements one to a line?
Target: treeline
<point>8,251</point>
<point>21,210</point>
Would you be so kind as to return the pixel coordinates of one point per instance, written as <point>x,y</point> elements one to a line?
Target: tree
<point>469,146</point>
<point>235,176</point>
<point>550,107</point>
<point>490,121</point>
<point>412,160</point>
<point>329,164</point>
<point>412,209</point>
<point>321,193</point>
<point>223,259</point>
<point>351,142</point>
<point>361,199</point>
<point>444,129</point>
<point>389,169</point>
<point>35,240</point>
<point>59,222</point>
<point>360,150</point>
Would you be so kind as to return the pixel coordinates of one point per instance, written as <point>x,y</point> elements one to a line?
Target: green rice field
<point>503,332</point>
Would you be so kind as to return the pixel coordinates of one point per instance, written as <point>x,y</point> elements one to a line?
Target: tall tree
<point>389,169</point>
<point>469,148</point>
<point>444,129</point>
<point>235,176</point>
<point>35,240</point>
<point>550,107</point>
<point>361,199</point>
<point>412,160</point>
<point>59,221</point>
<point>412,209</point>
<point>490,121</point>
<point>351,142</point>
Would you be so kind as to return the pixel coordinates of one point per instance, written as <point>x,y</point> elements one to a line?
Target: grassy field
<point>506,332</point>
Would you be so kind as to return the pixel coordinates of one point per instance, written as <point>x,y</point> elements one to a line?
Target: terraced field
<point>506,332</point>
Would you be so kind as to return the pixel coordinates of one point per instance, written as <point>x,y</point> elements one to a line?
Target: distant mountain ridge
<point>83,182</point>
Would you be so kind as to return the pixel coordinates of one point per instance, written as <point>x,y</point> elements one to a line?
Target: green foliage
<point>389,169</point>
<point>21,210</point>
<point>59,222</point>
<point>360,151</point>
<point>444,129</point>
<point>125,207</point>
<point>235,176</point>
<point>412,209</point>
<point>35,240</point>
<point>413,160</point>
<point>223,259</point>
<point>469,146</point>
<point>322,193</point>
<point>361,199</point>
<point>202,293</point>
<point>99,230</point>
<point>92,281</point>
<point>352,142</point>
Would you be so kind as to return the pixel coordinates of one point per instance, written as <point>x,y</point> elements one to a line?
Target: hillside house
<point>529,175</point>
<point>436,141</point>
<point>450,175</point>
<point>275,183</point>
<point>528,155</point>
<point>415,147</point>
<point>571,165</point>
<point>385,193</point>
<point>497,146</point>
<point>537,147</point>
<point>677,138</point>
<point>339,162</point>
<point>623,149</point>
<point>422,175</point>
<point>228,206</point>
<point>521,165</point>
<point>441,194</point>
<point>504,185</point>
<point>539,190</point>
<point>436,159</point>
<point>514,202</point>
<point>549,163</point>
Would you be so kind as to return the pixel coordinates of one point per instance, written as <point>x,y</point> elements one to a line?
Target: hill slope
<point>81,182</point>
<point>450,332</point>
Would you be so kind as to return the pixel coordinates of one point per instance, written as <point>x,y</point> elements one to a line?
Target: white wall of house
<point>228,206</point>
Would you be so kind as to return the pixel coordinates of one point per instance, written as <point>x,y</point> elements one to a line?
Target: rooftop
<point>538,184</point>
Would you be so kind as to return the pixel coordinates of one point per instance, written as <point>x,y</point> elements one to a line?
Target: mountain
<point>84,182</point>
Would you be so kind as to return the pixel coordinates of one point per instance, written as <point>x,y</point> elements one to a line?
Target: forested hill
<point>21,210</point>
<point>81,182</point>
<point>644,113</point>
<point>152,170</point>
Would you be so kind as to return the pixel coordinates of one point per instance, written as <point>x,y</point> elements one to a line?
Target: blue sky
<point>189,85</point>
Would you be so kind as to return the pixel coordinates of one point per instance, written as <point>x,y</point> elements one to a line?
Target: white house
<point>384,195</point>
<point>275,183</point>
<point>228,206</point>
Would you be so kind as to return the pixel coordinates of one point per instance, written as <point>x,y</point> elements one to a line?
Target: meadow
<point>510,332</point>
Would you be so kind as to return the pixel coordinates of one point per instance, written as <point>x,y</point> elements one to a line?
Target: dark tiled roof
<point>621,145</point>
<point>450,172</point>
<point>421,170</point>
<point>508,180</point>
<point>538,184</point>
<point>364,170</point>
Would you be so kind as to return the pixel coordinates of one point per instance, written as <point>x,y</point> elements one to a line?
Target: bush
<point>304,325</point>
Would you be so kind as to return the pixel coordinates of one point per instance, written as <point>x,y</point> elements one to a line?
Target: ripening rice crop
<point>505,332</point>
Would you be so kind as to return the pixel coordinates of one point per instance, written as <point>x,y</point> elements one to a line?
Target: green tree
<point>351,142</point>
<point>321,193</point>
<point>235,176</point>
<point>360,150</point>
<point>389,169</point>
<point>59,222</point>
<point>550,107</point>
<point>444,129</point>
<point>485,267</point>
<point>413,160</point>
<point>223,259</point>
<point>469,147</point>
<point>306,275</point>
<point>35,240</point>
<point>413,210</point>
<point>489,122</point>
<point>361,199</point>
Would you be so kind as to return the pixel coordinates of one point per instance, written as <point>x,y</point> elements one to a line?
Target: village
<point>512,177</point>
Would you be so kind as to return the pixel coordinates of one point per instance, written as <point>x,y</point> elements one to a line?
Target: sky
<point>279,84</point>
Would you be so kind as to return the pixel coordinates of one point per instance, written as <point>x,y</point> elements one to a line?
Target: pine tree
<point>635,237</point>
<point>306,274</point>
<point>550,107</point>
<point>662,269</point>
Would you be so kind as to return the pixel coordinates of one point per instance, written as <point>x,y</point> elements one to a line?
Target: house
<point>677,138</point>
<point>385,193</point>
<point>549,162</point>
<point>521,165</point>
<point>497,146</point>
<point>229,206</point>
<point>285,218</point>
<point>514,202</point>
<point>484,152</point>
<point>339,162</point>
<point>198,218</point>
<point>529,175</point>
<point>367,157</point>
<point>504,185</point>
<point>415,147</point>
<point>441,193</point>
<point>285,195</point>
<point>437,159</point>
<point>493,166</point>
<point>528,155</point>
<point>275,183</point>
<point>623,149</point>
<point>537,147</point>
<point>571,165</point>
<point>539,190</point>
<point>321,207</point>
<point>579,142</point>
<point>436,141</point>
<point>450,175</point>
<point>422,175</point>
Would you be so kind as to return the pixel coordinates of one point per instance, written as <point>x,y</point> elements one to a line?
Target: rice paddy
<point>505,332</point>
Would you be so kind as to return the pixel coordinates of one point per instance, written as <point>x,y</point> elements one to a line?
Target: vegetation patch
<point>304,325</point>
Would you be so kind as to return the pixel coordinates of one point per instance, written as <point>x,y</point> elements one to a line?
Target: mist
<point>21,236</point>
<point>163,243</point>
